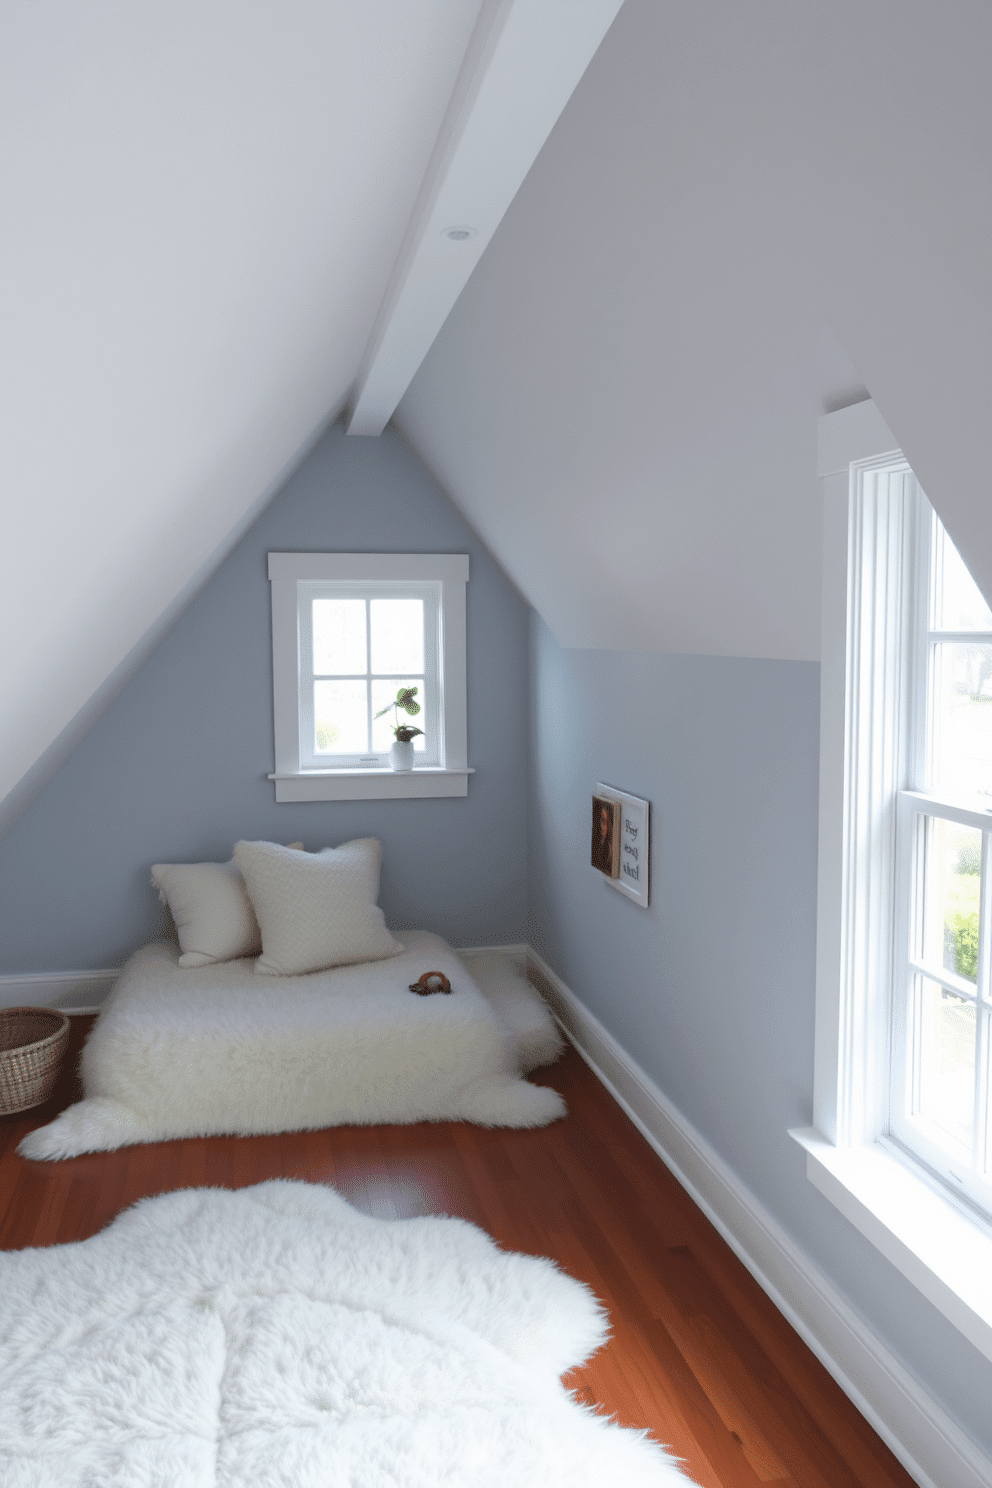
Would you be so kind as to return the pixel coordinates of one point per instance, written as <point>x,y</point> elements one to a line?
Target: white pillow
<point>316,909</point>
<point>211,909</point>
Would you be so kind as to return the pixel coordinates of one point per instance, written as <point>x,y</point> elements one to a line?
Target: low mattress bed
<point>180,1052</point>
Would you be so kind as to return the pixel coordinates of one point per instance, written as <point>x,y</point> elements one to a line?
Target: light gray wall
<point>696,200</point>
<point>175,771</point>
<point>711,988</point>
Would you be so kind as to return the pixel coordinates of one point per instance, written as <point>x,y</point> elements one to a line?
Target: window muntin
<point>359,644</point>
<point>869,734</point>
<point>304,772</point>
<point>942,981</point>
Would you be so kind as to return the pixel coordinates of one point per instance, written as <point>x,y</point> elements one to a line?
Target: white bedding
<point>180,1052</point>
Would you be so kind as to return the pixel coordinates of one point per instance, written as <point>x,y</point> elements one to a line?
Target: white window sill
<point>938,1247</point>
<point>370,785</point>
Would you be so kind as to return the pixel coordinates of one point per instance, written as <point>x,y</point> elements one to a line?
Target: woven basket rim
<point>49,1037</point>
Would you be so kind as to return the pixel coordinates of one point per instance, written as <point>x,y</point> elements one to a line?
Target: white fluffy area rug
<point>275,1336</point>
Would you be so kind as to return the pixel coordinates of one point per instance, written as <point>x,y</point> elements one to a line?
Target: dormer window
<point>349,632</point>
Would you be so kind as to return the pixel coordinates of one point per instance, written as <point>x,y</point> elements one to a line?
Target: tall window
<point>904,954</point>
<point>942,999</point>
<point>900,1136</point>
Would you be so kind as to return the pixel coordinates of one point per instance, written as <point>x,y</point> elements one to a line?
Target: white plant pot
<point>401,755</point>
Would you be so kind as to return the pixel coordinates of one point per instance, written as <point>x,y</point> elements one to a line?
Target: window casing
<point>348,631</point>
<point>872,1149</point>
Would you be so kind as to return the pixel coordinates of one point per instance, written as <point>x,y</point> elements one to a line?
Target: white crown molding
<point>932,1448</point>
<point>857,432</point>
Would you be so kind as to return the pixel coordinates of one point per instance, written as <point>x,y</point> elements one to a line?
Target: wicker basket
<point>32,1043</point>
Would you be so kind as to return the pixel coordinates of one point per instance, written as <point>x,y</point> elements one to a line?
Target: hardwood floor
<point>698,1354</point>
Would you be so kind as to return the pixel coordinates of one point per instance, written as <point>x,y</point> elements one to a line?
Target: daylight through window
<point>900,1139</point>
<point>943,1000</point>
<point>352,633</point>
<point>357,652</point>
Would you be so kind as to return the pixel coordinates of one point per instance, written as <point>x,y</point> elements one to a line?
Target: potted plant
<point>401,754</point>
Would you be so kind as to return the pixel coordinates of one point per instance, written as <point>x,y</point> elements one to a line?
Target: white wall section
<point>522,64</point>
<point>623,401</point>
<point>202,205</point>
<point>745,217</point>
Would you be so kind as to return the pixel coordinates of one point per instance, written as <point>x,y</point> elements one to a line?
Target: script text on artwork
<point>631,852</point>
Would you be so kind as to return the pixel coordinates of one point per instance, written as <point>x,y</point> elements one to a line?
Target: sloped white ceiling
<point>214,231</point>
<point>202,201</point>
<point>747,215</point>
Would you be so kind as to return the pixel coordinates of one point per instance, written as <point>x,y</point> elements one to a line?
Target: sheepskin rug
<point>185,1052</point>
<point>275,1338</point>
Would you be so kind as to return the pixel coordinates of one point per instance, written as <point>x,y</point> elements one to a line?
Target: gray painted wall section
<point>30,786</point>
<point>175,770</point>
<point>711,988</point>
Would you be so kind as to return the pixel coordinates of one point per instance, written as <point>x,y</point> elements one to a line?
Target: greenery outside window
<point>349,632</point>
<point>900,1140</point>
<point>942,999</point>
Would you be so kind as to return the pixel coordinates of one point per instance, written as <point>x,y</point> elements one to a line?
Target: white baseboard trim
<point>517,950</point>
<point>70,991</point>
<point>933,1449</point>
<point>85,991</point>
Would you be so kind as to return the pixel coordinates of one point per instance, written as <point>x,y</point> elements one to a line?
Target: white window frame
<point>441,578</point>
<point>872,569</point>
<point>915,805</point>
<point>429,683</point>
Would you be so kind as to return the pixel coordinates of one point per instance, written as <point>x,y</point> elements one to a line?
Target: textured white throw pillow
<point>316,909</point>
<point>213,915</point>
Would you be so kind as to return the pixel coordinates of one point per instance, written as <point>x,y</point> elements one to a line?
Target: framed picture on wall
<point>631,819</point>
<point>606,835</point>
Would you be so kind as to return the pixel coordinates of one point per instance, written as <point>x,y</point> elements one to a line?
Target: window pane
<point>961,719</point>
<point>340,717</point>
<point>397,635</point>
<point>947,1068</point>
<point>952,896</point>
<point>959,602</point>
<point>384,690</point>
<point>339,637</point>
<point>986,1051</point>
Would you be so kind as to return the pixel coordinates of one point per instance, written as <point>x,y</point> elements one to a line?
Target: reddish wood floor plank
<point>698,1354</point>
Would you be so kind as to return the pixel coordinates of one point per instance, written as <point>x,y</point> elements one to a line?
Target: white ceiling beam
<point>521,67</point>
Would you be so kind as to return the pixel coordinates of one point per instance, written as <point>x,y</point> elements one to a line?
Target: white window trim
<point>428,680</point>
<point>941,1246</point>
<point>450,778</point>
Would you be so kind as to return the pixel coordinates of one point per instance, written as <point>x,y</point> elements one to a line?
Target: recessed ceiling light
<point>458,234</point>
